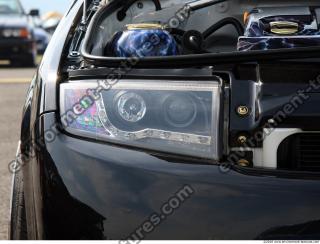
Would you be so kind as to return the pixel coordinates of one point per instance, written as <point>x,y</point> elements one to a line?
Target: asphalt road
<point>13,88</point>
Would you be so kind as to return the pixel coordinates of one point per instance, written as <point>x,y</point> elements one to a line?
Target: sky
<point>46,5</point>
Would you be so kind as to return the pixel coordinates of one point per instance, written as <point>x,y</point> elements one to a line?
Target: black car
<point>173,120</point>
<point>17,39</point>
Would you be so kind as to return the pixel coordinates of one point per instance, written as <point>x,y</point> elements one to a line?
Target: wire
<point>123,12</point>
<point>227,21</point>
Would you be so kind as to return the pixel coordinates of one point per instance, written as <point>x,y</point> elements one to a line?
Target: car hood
<point>12,20</point>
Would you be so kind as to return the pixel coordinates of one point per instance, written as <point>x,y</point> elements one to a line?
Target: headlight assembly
<point>180,117</point>
<point>16,33</point>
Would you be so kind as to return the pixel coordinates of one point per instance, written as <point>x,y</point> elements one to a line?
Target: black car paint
<point>89,190</point>
<point>81,189</point>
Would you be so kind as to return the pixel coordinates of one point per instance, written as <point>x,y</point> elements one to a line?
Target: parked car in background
<point>17,34</point>
<point>50,21</point>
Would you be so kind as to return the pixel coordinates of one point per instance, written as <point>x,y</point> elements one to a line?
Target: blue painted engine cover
<point>144,43</point>
<point>259,34</point>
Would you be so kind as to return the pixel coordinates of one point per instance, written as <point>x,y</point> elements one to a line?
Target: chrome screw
<point>243,110</point>
<point>242,139</point>
<point>243,163</point>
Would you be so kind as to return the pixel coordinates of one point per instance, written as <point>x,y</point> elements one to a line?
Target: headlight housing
<point>180,117</point>
<point>16,33</point>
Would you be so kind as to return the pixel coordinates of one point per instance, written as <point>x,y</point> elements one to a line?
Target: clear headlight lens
<point>180,117</point>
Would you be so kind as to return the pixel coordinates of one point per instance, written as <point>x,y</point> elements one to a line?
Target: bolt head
<point>243,163</point>
<point>242,139</point>
<point>243,110</point>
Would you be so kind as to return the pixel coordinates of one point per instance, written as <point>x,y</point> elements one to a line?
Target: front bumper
<point>87,190</point>
<point>16,48</point>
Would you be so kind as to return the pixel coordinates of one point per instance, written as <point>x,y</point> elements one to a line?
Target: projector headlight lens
<point>131,107</point>
<point>180,117</point>
<point>180,110</point>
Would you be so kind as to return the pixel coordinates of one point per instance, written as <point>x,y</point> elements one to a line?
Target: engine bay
<point>172,28</point>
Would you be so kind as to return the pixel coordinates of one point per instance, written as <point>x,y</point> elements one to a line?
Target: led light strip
<point>148,133</point>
